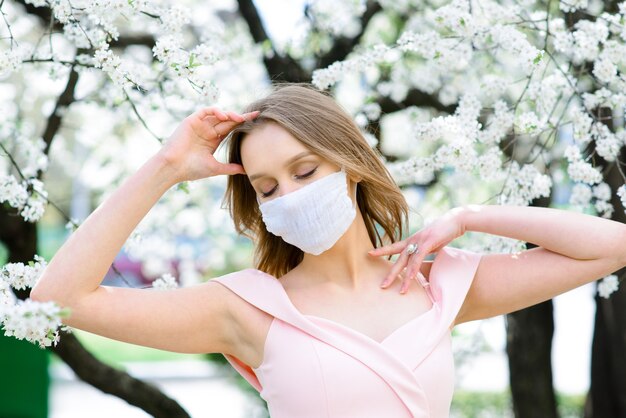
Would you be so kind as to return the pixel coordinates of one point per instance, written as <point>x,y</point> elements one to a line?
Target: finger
<point>231,169</point>
<point>406,282</point>
<point>415,262</point>
<point>235,117</point>
<point>251,115</point>
<point>394,248</point>
<point>396,268</point>
<point>223,128</point>
<point>212,111</point>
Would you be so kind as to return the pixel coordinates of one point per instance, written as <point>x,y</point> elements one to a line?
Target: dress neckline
<point>433,307</point>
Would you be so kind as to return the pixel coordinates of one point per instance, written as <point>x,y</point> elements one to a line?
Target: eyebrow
<point>289,161</point>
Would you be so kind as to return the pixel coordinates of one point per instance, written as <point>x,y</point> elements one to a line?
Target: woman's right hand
<point>189,150</point>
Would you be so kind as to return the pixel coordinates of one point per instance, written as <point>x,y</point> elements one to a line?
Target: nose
<point>288,186</point>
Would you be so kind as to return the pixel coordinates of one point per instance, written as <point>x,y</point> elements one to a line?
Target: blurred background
<point>487,102</point>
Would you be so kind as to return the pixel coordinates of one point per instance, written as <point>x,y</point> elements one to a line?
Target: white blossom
<point>72,225</point>
<point>572,153</point>
<point>340,18</point>
<point>604,208</point>
<point>12,191</point>
<point>112,65</point>
<point>523,185</point>
<point>165,282</point>
<point>20,276</point>
<point>490,163</point>
<point>7,298</point>
<point>602,191</point>
<point>372,111</point>
<point>604,70</point>
<point>608,144</point>
<point>174,18</point>
<point>581,194</point>
<point>498,125</point>
<point>581,122</point>
<point>529,123</point>
<point>608,285</point>
<point>325,77</point>
<point>412,171</point>
<point>621,192</point>
<point>583,171</point>
<point>570,6</point>
<point>168,47</point>
<point>37,3</point>
<point>11,60</point>
<point>37,322</point>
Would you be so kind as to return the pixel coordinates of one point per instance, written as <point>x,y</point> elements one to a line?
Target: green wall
<point>24,379</point>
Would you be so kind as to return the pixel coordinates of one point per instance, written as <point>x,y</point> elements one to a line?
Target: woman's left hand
<point>428,240</point>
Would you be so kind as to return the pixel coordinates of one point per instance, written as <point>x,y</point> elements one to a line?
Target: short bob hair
<point>314,118</point>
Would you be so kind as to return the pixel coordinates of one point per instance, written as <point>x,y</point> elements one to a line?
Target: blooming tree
<point>502,102</point>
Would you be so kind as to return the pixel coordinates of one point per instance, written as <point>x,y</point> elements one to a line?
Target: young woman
<point>322,326</point>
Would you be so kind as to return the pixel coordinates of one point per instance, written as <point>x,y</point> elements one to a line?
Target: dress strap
<point>451,275</point>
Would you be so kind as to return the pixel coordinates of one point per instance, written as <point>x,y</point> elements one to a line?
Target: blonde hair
<point>315,119</point>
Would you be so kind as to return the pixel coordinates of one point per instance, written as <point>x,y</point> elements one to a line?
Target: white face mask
<point>313,217</point>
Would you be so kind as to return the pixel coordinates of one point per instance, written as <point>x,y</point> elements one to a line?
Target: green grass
<point>115,353</point>
<point>471,404</point>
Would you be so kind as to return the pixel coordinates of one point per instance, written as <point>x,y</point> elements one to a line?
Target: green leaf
<point>184,186</point>
<point>266,46</point>
<point>538,58</point>
<point>65,312</point>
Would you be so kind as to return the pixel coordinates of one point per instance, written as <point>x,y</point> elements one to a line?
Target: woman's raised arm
<point>171,319</point>
<point>572,249</point>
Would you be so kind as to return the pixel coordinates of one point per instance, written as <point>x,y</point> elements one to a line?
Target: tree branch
<point>414,97</point>
<point>279,67</point>
<point>116,382</point>
<point>45,16</point>
<point>343,45</point>
<point>65,99</point>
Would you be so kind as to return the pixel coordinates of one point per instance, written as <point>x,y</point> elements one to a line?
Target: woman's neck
<point>347,264</point>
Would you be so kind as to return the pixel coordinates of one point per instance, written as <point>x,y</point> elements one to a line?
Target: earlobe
<point>356,179</point>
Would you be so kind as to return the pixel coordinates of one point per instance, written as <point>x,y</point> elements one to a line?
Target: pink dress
<point>315,367</point>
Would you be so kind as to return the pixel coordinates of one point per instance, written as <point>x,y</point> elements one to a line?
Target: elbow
<point>42,292</point>
<point>39,295</point>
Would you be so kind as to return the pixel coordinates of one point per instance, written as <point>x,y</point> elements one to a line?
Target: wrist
<point>464,215</point>
<point>165,170</point>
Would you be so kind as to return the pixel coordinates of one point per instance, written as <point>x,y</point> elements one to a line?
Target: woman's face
<point>276,163</point>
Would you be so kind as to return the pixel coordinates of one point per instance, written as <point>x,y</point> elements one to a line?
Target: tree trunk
<point>607,394</point>
<point>529,350</point>
<point>529,346</point>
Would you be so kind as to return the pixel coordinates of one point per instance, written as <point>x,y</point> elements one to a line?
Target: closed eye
<point>303,176</point>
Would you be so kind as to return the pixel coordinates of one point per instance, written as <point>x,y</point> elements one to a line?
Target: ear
<point>356,179</point>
